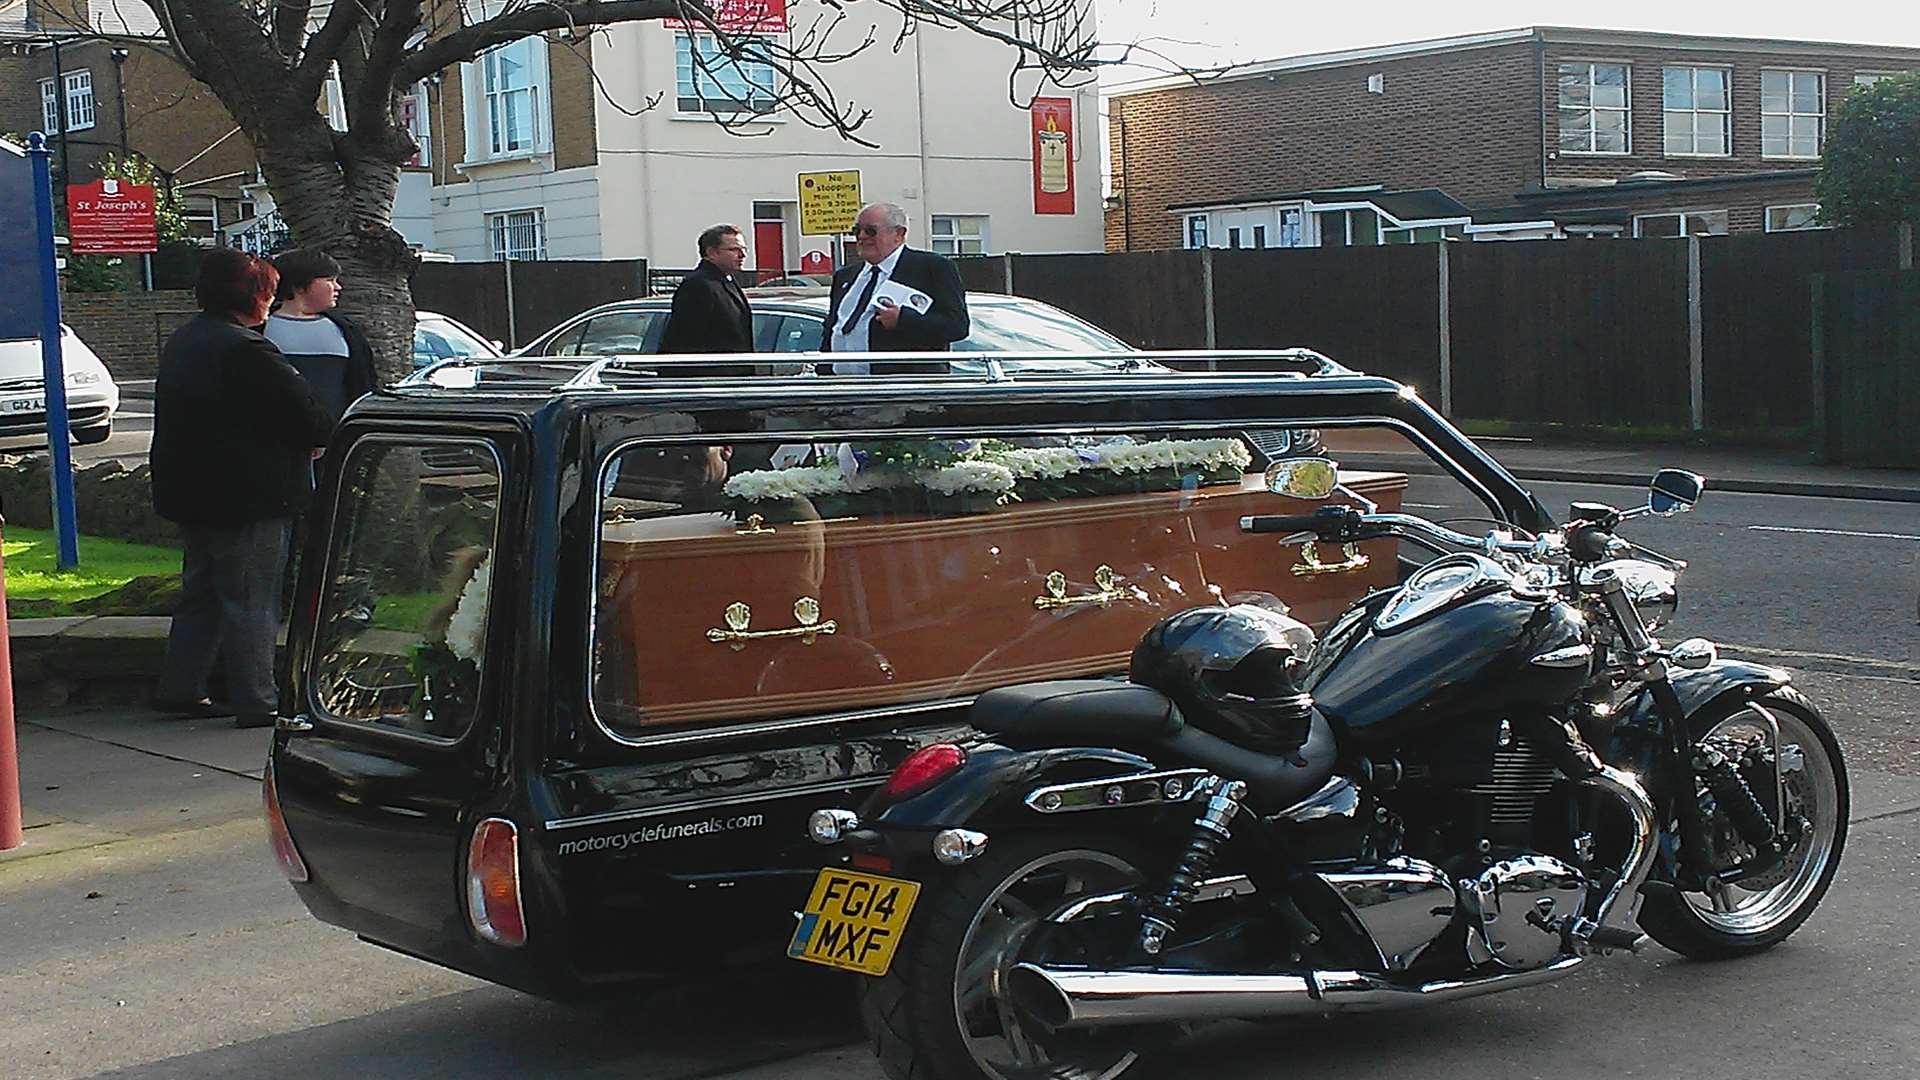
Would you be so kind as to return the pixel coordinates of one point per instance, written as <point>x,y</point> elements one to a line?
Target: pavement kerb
<point>1885,493</point>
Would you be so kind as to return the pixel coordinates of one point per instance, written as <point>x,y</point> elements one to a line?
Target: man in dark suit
<point>710,313</point>
<point>865,319</point>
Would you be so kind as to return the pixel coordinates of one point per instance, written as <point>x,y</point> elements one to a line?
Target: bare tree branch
<point>343,18</point>
<point>516,23</point>
<point>290,26</point>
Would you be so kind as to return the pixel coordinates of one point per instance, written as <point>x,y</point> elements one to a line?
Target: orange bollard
<point>11,835</point>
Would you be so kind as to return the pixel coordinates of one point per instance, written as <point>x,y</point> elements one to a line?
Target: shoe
<point>253,720</point>
<point>188,709</point>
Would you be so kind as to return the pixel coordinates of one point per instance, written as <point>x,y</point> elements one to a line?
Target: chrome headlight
<point>1654,589</point>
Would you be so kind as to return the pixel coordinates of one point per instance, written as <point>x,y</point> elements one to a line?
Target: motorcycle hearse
<point>1066,709</point>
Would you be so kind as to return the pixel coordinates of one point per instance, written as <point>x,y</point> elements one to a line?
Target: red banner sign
<point>1052,155</point>
<point>742,17</point>
<point>110,217</point>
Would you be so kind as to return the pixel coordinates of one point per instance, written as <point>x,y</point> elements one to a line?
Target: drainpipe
<point>1126,201</point>
<point>1540,100</point>
<point>60,118</point>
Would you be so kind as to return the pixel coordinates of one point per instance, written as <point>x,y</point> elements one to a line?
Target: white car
<point>92,396</point>
<point>438,337</point>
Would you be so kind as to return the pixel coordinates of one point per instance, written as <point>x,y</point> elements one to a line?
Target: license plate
<point>25,404</point>
<point>853,921</point>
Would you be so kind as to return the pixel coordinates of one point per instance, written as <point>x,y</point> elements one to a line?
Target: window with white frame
<point>1681,223</point>
<point>1595,109</point>
<point>1698,112</point>
<point>1793,113</point>
<point>413,117</point>
<point>1868,78</point>
<point>79,100</point>
<point>1422,234</point>
<point>954,234</point>
<point>333,99</point>
<point>718,83</point>
<point>1196,230</point>
<point>518,234</point>
<point>1794,217</point>
<point>508,86</point>
<point>49,107</point>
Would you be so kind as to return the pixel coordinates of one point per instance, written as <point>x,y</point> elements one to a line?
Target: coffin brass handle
<point>1311,566</point>
<point>755,526</point>
<point>1102,576</point>
<point>739,616</point>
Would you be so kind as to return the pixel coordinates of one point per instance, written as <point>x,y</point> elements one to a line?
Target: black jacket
<point>944,323</point>
<point>710,315</point>
<point>234,427</point>
<point>360,377</point>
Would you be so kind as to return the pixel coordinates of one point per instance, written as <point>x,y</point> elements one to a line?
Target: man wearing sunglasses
<point>895,299</point>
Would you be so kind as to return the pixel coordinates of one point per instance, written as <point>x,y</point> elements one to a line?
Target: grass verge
<point>36,588</point>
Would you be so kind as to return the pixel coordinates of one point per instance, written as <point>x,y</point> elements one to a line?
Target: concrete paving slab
<point>212,741</point>
<point>122,790</point>
<point>34,629</point>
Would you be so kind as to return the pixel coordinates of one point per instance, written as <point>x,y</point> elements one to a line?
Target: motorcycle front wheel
<point>943,1011</point>
<point>1732,920</point>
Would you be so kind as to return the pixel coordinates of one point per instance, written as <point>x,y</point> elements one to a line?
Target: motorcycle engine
<point>1516,909</point>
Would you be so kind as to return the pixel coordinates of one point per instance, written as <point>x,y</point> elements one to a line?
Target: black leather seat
<point>1102,712</point>
<point>1098,710</point>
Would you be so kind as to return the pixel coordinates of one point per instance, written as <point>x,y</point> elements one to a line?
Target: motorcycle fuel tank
<point>1456,640</point>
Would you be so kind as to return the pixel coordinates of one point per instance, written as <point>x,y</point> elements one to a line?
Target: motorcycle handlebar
<point>1327,526</point>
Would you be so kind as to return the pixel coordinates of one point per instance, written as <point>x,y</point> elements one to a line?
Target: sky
<point>1208,33</point>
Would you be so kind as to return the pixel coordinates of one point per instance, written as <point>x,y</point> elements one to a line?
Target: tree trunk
<point>338,198</point>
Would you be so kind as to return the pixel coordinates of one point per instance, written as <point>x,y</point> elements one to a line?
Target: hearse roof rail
<point>564,375</point>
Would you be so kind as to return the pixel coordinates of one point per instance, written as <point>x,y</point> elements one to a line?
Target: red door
<point>769,253</point>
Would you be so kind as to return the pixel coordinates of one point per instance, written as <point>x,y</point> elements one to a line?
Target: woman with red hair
<point>235,431</point>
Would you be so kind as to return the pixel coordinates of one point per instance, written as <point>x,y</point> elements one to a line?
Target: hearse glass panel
<point>403,614</point>
<point>759,581</point>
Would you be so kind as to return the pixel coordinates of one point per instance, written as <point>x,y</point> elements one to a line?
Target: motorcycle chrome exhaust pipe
<point>1074,997</point>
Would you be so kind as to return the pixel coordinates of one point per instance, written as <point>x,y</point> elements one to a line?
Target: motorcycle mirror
<point>1303,478</point>
<point>1674,491</point>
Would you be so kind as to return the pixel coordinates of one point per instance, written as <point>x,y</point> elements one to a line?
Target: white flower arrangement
<point>996,472</point>
<point>467,629</point>
<point>971,477</point>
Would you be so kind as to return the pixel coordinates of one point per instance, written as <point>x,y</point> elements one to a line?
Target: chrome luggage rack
<point>992,367</point>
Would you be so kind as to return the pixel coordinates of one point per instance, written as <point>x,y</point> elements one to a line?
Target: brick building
<point>97,78</point>
<point>1540,132</point>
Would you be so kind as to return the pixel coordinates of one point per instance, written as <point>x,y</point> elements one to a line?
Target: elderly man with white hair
<point>896,299</point>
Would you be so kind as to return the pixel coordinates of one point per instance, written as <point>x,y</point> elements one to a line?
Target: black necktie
<point>866,296</point>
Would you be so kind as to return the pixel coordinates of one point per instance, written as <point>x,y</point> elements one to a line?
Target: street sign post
<point>66,529</point>
<point>829,201</point>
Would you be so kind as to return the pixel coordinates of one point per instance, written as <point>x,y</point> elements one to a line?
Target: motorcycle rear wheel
<point>1740,922</point>
<point>942,1011</point>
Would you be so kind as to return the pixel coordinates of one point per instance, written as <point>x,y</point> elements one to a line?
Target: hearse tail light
<point>924,768</point>
<point>291,864</point>
<point>493,883</point>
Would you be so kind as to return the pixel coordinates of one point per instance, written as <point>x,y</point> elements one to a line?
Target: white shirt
<point>857,341</point>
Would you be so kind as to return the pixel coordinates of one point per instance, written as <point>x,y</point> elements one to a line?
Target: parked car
<point>438,337</point>
<point>92,395</point>
<point>793,320</point>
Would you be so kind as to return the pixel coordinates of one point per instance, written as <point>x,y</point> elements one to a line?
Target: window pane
<point>943,225</point>
<point>403,620</point>
<point>1710,88</point>
<point>1713,141</point>
<point>1680,124</point>
<point>926,557</point>
<point>1677,88</point>
<point>1365,225</point>
<point>1806,94</point>
<point>800,333</point>
<point>1610,86</point>
<point>1610,132</point>
<point>1574,87</point>
<point>621,333</point>
<point>969,226</point>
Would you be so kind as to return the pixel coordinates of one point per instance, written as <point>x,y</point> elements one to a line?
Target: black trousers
<point>229,610</point>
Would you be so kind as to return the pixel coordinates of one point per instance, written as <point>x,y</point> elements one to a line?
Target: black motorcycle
<point>1472,783</point>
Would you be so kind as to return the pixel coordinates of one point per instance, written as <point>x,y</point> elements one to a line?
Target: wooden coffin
<point>703,620</point>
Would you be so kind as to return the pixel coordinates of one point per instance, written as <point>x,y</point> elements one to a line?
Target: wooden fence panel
<point>1756,340</point>
<point>474,293</point>
<point>1574,332</point>
<point>1374,309</point>
<point>1868,335</point>
<point>545,292</point>
<point>983,273</point>
<point>1150,299</point>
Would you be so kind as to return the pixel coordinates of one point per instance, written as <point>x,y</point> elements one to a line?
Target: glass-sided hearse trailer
<point>577,650</point>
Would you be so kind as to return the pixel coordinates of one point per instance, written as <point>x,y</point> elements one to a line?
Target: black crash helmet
<point>1230,670</point>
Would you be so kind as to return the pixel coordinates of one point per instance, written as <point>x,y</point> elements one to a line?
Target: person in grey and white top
<point>328,349</point>
<point>873,307</point>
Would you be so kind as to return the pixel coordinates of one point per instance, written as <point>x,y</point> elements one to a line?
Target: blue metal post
<point>66,529</point>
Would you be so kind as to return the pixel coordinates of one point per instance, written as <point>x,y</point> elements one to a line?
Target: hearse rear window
<point>403,617</point>
<point>755,581</point>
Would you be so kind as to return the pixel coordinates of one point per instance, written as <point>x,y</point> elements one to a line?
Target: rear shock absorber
<point>1210,830</point>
